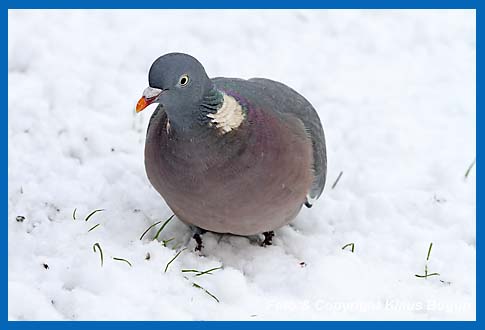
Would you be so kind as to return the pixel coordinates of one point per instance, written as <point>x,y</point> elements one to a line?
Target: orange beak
<point>142,104</point>
<point>150,94</point>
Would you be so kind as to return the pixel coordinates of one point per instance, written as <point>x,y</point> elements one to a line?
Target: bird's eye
<point>183,80</point>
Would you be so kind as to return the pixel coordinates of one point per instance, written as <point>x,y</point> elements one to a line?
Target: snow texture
<point>395,91</point>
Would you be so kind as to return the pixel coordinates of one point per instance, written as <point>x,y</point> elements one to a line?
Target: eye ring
<point>184,80</point>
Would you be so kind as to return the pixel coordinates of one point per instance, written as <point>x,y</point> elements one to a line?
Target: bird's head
<point>178,82</point>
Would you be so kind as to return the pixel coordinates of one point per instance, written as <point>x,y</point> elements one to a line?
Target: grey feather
<point>287,101</point>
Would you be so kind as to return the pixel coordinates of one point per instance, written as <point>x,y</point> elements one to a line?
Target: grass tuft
<point>199,273</point>
<point>92,213</point>
<point>168,264</point>
<point>426,274</point>
<point>121,259</point>
<point>96,245</point>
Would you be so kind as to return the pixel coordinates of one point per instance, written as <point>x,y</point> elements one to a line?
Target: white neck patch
<point>229,116</point>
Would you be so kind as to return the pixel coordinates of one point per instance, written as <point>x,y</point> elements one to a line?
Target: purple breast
<point>245,182</point>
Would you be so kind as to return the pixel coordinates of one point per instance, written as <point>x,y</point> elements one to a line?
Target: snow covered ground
<point>396,94</point>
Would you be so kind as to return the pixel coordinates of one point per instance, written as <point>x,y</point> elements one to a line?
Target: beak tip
<point>142,104</point>
<point>150,94</point>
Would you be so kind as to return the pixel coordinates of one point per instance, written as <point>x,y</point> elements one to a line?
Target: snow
<point>396,94</point>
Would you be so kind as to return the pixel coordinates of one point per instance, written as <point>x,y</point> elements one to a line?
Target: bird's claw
<point>198,240</point>
<point>268,238</point>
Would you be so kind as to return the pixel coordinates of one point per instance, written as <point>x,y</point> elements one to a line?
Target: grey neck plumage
<point>216,110</point>
<point>211,102</point>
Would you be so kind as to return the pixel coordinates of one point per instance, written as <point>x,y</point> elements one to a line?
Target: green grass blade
<point>92,213</point>
<point>93,227</point>
<point>168,264</point>
<point>96,245</point>
<point>434,274</point>
<point>121,259</point>
<point>429,250</point>
<point>199,272</point>
<point>163,226</point>
<point>427,275</point>
<point>338,179</point>
<point>146,231</point>
<point>470,168</point>
<point>165,241</point>
<point>74,214</point>
<point>352,246</point>
<point>190,271</point>
<point>206,291</point>
<point>208,271</point>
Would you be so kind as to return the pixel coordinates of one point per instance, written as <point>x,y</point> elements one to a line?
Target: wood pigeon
<point>230,155</point>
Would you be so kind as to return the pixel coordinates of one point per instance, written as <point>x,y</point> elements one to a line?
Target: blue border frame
<point>259,4</point>
<point>380,4</point>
